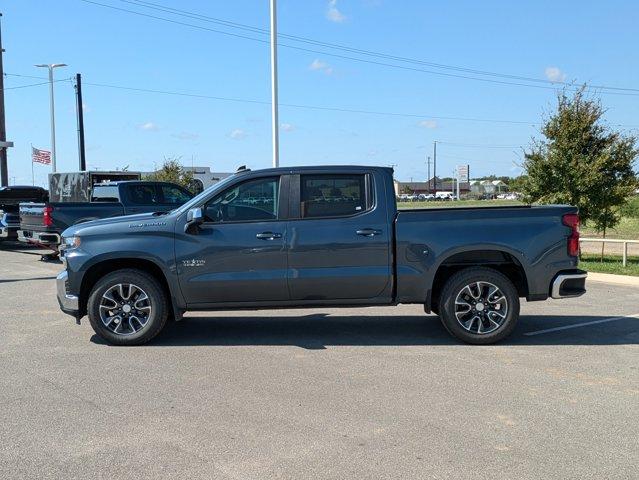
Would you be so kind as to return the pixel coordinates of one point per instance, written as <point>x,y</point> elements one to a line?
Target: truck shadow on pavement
<point>319,331</point>
<point>11,280</point>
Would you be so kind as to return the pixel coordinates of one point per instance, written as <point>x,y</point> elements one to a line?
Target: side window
<point>332,195</point>
<point>253,200</point>
<point>142,194</point>
<point>174,195</point>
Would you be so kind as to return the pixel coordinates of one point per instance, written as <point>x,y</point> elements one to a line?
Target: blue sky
<point>569,40</point>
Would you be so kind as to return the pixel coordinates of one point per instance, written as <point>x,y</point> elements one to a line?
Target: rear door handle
<point>368,232</point>
<point>268,236</point>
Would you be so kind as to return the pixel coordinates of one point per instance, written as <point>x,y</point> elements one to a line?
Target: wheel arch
<point>106,266</point>
<point>502,260</point>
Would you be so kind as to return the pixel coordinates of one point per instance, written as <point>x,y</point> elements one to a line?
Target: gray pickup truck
<point>42,223</point>
<point>313,237</point>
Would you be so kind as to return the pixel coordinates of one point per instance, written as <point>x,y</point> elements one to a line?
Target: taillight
<point>47,220</point>
<point>572,220</point>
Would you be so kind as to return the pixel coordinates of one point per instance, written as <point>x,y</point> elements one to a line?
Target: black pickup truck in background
<point>42,223</point>
<point>10,199</point>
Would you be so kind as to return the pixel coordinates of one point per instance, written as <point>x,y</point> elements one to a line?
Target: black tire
<point>157,300</point>
<point>470,277</point>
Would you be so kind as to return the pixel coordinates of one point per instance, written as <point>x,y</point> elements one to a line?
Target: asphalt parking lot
<point>364,393</point>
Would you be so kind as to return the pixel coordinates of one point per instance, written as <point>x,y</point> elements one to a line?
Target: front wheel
<point>127,307</point>
<point>479,305</point>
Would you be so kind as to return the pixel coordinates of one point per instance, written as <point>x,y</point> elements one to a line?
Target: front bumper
<point>40,238</point>
<point>69,304</point>
<point>569,284</point>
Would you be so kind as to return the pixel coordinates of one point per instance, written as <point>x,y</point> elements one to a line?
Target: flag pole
<point>32,174</point>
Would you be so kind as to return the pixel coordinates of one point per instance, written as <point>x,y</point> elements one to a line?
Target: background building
<point>488,187</point>
<point>430,186</point>
<point>203,178</point>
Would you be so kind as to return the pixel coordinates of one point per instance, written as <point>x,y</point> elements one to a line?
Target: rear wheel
<point>479,305</point>
<point>127,307</point>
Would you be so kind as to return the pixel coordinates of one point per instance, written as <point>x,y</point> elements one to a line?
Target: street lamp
<point>274,102</point>
<point>51,67</point>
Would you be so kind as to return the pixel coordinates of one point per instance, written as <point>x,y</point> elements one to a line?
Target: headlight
<point>71,242</point>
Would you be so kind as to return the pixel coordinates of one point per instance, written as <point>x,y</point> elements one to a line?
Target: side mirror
<point>194,217</point>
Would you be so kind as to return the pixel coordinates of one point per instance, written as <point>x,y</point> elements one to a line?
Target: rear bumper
<point>8,232</point>
<point>568,284</point>
<point>41,238</point>
<point>69,304</point>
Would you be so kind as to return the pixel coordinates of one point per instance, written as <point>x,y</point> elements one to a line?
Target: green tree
<point>581,162</point>
<point>516,184</point>
<point>173,171</point>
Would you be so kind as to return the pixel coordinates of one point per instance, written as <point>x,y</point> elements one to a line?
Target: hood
<point>142,219</point>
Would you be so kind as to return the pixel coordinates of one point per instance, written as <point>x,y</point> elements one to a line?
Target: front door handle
<point>268,236</point>
<point>368,232</point>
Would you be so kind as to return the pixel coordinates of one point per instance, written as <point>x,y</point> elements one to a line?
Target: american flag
<point>40,156</point>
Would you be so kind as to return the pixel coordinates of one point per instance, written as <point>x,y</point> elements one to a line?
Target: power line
<point>309,107</point>
<point>206,18</point>
<point>303,106</point>
<point>346,57</point>
<point>470,145</point>
<point>30,84</point>
<point>24,86</point>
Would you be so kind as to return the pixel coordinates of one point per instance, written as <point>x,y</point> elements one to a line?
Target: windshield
<point>199,199</point>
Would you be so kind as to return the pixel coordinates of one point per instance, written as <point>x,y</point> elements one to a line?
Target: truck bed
<point>65,214</point>
<point>531,236</point>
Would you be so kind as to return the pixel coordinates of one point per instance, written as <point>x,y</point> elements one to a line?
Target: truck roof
<point>129,182</point>
<point>21,187</point>
<point>318,168</point>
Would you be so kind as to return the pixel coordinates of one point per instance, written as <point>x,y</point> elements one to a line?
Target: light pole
<point>274,113</point>
<point>51,67</point>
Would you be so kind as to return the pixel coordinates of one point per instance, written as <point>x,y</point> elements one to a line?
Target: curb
<point>611,278</point>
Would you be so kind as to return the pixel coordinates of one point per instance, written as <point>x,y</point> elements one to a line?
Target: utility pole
<point>428,162</point>
<point>274,109</point>
<point>435,165</point>
<point>4,173</point>
<point>80,115</point>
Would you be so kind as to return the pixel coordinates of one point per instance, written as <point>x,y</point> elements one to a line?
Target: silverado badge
<point>193,263</point>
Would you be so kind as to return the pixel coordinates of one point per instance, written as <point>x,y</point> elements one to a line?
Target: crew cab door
<point>340,239</point>
<point>238,254</point>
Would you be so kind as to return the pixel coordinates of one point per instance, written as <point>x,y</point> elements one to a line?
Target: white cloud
<point>185,136</point>
<point>320,66</point>
<point>287,127</point>
<point>238,134</point>
<point>333,13</point>
<point>85,107</point>
<point>149,127</point>
<point>428,124</point>
<point>317,65</point>
<point>554,74</point>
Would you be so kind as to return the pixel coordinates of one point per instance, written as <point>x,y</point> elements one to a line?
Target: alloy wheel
<point>125,309</point>
<point>481,308</point>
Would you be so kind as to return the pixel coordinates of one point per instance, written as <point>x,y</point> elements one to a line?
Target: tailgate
<point>31,215</point>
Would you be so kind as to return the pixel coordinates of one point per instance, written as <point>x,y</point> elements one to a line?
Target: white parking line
<point>577,325</point>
